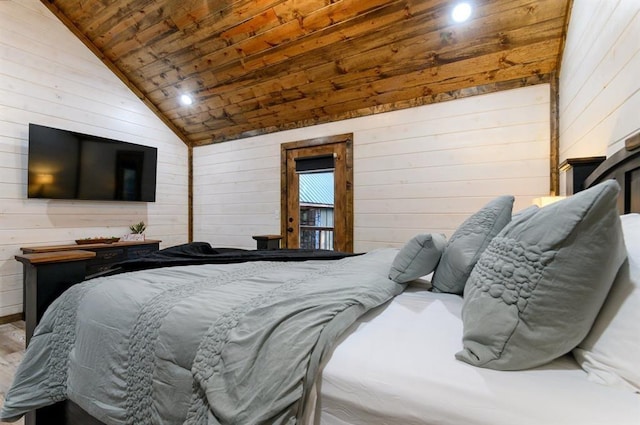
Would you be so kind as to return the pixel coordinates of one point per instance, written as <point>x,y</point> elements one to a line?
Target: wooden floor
<point>11,352</point>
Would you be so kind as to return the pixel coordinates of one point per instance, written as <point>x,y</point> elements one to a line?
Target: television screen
<point>69,165</point>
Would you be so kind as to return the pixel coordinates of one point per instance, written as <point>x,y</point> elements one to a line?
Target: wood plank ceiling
<point>258,66</point>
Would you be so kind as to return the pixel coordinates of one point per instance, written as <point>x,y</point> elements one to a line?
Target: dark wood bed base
<point>63,413</point>
<point>624,166</point>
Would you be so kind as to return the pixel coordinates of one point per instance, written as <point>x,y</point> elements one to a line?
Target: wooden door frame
<point>346,244</point>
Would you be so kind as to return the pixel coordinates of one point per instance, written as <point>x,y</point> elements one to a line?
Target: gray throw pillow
<point>468,242</point>
<point>417,258</point>
<point>537,288</point>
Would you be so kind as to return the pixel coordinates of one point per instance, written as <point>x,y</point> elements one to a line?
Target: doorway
<point>317,193</point>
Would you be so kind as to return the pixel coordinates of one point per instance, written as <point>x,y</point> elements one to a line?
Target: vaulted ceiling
<point>258,66</point>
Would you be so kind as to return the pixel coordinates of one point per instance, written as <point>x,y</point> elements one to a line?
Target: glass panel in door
<point>316,200</point>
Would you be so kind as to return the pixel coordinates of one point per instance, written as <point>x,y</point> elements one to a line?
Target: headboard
<point>624,167</point>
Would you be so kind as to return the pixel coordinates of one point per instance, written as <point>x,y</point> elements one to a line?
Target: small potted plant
<point>137,232</point>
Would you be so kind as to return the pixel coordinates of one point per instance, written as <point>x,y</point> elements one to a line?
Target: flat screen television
<point>68,165</point>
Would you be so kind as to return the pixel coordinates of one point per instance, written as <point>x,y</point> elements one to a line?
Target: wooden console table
<point>50,270</point>
<point>107,254</point>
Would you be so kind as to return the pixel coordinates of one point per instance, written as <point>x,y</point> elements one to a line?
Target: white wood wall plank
<point>210,174</point>
<point>13,281</point>
<point>498,120</point>
<point>50,78</point>
<point>384,236</point>
<point>588,31</point>
<point>487,154</point>
<point>493,187</point>
<point>235,189</point>
<point>438,162</point>
<point>605,90</point>
<point>455,140</point>
<point>599,84</point>
<point>462,172</point>
<point>419,222</point>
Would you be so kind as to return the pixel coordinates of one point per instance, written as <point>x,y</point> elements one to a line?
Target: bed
<point>363,339</point>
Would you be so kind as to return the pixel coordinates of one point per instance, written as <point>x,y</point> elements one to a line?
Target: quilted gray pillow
<point>417,258</point>
<point>537,288</point>
<point>468,242</point>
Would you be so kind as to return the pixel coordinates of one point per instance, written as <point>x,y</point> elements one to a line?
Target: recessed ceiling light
<point>461,12</point>
<point>185,99</point>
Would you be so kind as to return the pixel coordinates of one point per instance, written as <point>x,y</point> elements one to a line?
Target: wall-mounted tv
<point>68,165</point>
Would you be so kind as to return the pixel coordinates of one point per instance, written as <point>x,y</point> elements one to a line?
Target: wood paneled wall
<point>49,77</point>
<point>599,78</point>
<point>415,170</point>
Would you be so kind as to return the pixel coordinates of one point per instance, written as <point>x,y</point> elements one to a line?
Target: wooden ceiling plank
<point>383,63</point>
<point>261,65</point>
<point>401,29</point>
<point>85,14</point>
<point>486,65</point>
<point>376,97</point>
<point>346,47</point>
<point>140,39</point>
<point>217,60</point>
<point>467,81</point>
<point>206,38</point>
<point>367,104</point>
<point>420,55</point>
<point>160,93</point>
<point>389,61</point>
<point>120,17</point>
<point>171,49</point>
<point>239,132</point>
<point>289,32</point>
<point>280,13</point>
<point>224,15</point>
<point>262,22</point>
<point>452,45</point>
<point>257,66</point>
<point>347,98</point>
<point>321,38</point>
<point>190,15</point>
<point>148,18</point>
<point>294,9</point>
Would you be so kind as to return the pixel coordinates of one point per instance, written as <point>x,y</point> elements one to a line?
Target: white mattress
<point>397,366</point>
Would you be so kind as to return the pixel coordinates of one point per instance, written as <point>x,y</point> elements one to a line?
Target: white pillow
<point>611,351</point>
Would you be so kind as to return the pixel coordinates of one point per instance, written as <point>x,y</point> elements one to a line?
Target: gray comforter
<point>207,344</point>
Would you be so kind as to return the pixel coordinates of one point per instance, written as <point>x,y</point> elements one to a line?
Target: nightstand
<point>267,241</point>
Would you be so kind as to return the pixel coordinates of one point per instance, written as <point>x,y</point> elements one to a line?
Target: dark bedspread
<point>203,253</point>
